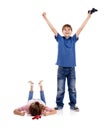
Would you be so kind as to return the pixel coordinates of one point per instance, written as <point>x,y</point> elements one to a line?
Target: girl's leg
<point>30,96</point>
<point>42,96</point>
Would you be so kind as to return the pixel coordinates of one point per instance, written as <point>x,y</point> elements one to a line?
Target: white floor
<point>91,115</point>
<point>28,52</point>
<point>86,119</point>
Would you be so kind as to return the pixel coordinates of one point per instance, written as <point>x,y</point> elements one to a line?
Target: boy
<point>66,61</point>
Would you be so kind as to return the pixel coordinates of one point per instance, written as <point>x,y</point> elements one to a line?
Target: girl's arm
<point>50,112</point>
<point>21,110</point>
<point>49,24</point>
<point>17,112</point>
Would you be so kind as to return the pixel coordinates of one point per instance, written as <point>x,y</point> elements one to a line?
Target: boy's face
<point>67,31</point>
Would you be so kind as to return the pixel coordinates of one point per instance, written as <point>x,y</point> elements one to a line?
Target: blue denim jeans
<point>42,96</point>
<point>63,74</point>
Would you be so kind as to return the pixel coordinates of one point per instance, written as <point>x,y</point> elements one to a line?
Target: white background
<point>28,51</point>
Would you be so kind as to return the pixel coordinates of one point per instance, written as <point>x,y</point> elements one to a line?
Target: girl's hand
<point>22,113</point>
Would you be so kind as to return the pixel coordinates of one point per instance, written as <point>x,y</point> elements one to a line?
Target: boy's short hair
<point>66,25</point>
<point>35,109</point>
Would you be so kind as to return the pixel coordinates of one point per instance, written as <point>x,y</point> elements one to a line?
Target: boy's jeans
<point>63,73</point>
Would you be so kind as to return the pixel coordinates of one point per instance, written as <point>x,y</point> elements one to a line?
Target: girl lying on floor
<point>35,107</point>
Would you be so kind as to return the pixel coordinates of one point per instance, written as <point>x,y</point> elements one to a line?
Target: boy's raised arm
<point>90,12</point>
<point>49,24</point>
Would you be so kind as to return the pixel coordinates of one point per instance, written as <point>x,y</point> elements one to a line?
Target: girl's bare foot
<point>40,82</point>
<point>31,83</point>
<point>40,85</point>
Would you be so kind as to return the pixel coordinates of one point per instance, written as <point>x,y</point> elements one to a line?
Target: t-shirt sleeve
<point>75,38</point>
<point>47,109</point>
<point>24,108</point>
<point>57,37</point>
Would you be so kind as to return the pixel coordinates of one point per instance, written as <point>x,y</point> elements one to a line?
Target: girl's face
<point>67,32</point>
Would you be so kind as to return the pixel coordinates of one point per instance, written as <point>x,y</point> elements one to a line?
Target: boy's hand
<point>44,14</point>
<point>93,10</point>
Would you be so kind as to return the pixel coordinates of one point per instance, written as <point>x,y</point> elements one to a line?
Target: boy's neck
<point>66,37</point>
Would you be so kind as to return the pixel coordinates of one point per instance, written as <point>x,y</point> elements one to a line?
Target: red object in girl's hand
<point>36,117</point>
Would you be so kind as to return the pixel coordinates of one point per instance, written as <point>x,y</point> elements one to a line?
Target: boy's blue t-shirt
<point>66,51</point>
